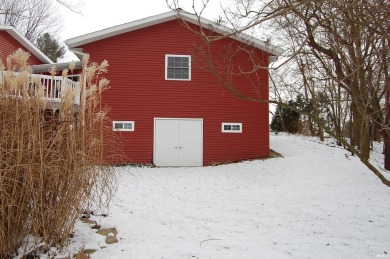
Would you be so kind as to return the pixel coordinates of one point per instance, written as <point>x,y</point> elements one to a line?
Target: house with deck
<point>12,40</point>
<point>166,104</point>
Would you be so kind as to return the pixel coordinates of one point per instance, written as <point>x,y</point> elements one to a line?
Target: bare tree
<point>34,17</point>
<point>30,17</point>
<point>339,48</point>
<point>73,5</point>
<point>342,38</point>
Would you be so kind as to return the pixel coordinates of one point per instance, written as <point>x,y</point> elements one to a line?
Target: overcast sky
<point>97,15</point>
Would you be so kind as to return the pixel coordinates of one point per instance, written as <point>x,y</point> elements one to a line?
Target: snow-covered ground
<point>314,202</point>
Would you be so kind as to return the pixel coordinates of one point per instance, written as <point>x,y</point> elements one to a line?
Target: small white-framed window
<point>123,125</point>
<point>231,127</point>
<point>177,67</point>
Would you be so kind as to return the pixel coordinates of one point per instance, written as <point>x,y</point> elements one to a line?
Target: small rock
<point>82,255</point>
<point>106,231</point>
<point>96,226</point>
<point>87,212</point>
<point>88,221</point>
<point>89,251</point>
<point>111,240</point>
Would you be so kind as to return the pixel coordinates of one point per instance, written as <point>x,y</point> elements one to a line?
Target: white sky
<point>97,15</point>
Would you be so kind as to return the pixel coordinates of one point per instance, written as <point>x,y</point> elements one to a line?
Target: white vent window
<point>229,127</point>
<point>123,125</point>
<point>178,67</point>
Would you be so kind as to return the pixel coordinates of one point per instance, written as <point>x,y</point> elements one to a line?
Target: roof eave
<point>26,43</point>
<point>168,16</point>
<point>223,30</point>
<point>119,29</point>
<point>44,68</point>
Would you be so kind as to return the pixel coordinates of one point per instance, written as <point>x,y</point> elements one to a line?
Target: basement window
<point>178,67</point>
<point>228,127</point>
<point>123,125</point>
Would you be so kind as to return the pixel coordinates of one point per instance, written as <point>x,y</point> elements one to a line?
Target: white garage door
<point>178,142</point>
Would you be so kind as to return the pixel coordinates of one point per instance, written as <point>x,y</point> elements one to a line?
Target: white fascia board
<point>26,43</point>
<point>242,37</point>
<point>44,68</point>
<point>78,52</point>
<point>169,16</point>
<point>119,29</point>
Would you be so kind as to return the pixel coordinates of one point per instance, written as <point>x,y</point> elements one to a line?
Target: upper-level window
<point>232,127</point>
<point>177,67</point>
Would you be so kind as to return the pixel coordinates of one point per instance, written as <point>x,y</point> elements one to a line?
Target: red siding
<point>9,45</point>
<point>140,93</point>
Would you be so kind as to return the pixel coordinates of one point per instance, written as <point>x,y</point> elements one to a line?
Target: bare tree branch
<point>336,51</point>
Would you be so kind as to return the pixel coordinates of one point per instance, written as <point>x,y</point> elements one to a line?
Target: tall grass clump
<point>52,165</point>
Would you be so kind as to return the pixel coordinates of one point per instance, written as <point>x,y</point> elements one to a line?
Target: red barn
<point>168,109</point>
<point>11,40</point>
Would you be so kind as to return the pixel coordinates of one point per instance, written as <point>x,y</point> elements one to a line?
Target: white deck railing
<point>54,87</point>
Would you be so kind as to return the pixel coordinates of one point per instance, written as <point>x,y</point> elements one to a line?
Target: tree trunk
<point>361,132</point>
<point>365,141</point>
<point>386,133</point>
<point>387,151</point>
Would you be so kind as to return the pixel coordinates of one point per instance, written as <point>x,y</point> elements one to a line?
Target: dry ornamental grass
<point>52,164</point>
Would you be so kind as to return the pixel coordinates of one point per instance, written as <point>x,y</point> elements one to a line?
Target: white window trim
<point>166,67</point>
<point>123,122</point>
<point>231,124</point>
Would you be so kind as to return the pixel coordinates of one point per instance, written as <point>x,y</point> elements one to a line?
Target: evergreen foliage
<point>285,119</point>
<point>50,46</point>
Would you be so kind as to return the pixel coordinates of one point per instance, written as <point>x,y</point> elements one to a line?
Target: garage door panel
<point>190,143</point>
<point>168,133</point>
<point>167,141</point>
<point>167,158</point>
<point>189,157</point>
<point>178,142</point>
<point>190,134</point>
